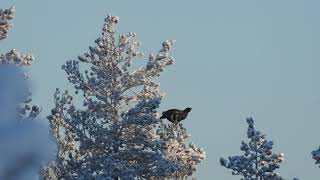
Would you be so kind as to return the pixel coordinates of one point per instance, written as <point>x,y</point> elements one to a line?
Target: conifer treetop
<point>258,161</point>
<point>116,131</point>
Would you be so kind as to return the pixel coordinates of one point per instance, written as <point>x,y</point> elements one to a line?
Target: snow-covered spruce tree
<point>24,109</point>
<point>258,161</point>
<point>116,133</point>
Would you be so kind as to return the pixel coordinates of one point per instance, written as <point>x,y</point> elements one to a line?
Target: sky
<point>234,59</point>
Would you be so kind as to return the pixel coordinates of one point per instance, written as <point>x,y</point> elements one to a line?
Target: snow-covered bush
<point>114,130</point>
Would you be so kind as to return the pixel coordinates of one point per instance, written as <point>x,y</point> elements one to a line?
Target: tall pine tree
<point>115,132</point>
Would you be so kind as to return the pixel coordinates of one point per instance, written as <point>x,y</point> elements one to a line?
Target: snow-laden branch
<point>5,16</point>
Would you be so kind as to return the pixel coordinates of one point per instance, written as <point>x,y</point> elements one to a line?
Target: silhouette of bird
<point>175,115</point>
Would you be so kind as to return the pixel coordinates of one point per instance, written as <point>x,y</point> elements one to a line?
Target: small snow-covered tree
<point>258,161</point>
<point>116,131</point>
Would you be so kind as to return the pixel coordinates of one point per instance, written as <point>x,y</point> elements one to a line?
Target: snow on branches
<point>5,16</point>
<point>14,57</point>
<point>116,131</point>
<point>11,57</point>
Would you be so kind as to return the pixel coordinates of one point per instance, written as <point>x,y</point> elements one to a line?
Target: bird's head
<point>188,109</point>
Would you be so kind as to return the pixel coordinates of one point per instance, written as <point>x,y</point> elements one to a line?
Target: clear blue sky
<point>234,59</point>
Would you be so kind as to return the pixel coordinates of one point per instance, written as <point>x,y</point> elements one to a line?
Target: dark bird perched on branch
<point>175,115</point>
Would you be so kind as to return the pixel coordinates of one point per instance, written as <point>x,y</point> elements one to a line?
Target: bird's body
<point>175,115</point>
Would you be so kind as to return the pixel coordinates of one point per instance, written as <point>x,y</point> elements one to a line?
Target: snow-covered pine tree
<point>258,161</point>
<point>116,133</point>
<point>24,109</point>
<point>25,144</point>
